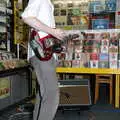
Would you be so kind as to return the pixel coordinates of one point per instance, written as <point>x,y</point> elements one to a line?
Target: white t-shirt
<point>43,11</point>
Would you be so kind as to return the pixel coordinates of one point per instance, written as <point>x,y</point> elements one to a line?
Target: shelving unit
<point>21,30</point>
<point>13,75</point>
<point>6,21</point>
<point>18,23</point>
<point>78,14</point>
<point>16,86</point>
<point>89,16</point>
<point>71,14</point>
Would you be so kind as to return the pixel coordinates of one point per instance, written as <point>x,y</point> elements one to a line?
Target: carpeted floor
<point>96,112</point>
<point>100,111</point>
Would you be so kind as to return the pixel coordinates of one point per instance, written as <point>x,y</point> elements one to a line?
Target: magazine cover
<point>110,5</point>
<point>117,5</point>
<point>119,60</point>
<point>77,56</point>
<point>100,24</point>
<point>60,20</point>
<point>59,63</point>
<point>104,49</point>
<point>97,6</point>
<point>85,60</point>
<point>93,63</point>
<point>67,63</point>
<point>4,87</point>
<point>113,64</point>
<point>103,64</point>
<point>78,45</point>
<point>103,60</point>
<point>117,19</point>
<point>75,63</point>
<point>113,49</point>
<point>113,56</point>
<point>118,64</point>
<point>114,36</point>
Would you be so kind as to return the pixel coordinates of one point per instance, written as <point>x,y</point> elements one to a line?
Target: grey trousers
<point>47,98</point>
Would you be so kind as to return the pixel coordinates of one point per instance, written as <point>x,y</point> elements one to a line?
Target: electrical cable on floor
<point>21,116</point>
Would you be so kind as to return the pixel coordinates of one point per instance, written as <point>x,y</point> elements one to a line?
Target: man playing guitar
<point>38,14</point>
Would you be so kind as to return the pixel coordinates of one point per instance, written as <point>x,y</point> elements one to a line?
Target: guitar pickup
<point>49,42</point>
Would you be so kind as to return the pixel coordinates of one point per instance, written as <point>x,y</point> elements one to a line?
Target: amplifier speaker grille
<point>75,92</point>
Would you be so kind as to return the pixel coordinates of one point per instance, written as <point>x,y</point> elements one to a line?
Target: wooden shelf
<point>88,70</point>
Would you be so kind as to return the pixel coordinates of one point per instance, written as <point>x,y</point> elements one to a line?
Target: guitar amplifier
<point>74,92</point>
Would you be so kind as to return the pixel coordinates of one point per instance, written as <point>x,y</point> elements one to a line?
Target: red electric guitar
<point>46,46</point>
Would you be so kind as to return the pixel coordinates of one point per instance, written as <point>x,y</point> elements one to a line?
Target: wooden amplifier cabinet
<point>75,92</point>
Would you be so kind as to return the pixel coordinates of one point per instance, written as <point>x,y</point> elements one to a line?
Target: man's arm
<point>37,24</point>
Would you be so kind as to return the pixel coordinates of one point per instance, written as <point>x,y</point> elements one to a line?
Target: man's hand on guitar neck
<point>64,35</point>
<point>58,33</point>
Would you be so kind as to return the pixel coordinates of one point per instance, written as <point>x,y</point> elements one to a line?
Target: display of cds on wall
<point>79,13</point>
<point>100,24</point>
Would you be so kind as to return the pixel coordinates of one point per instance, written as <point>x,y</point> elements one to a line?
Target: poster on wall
<point>4,87</point>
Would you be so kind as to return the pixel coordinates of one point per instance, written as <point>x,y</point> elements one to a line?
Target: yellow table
<point>116,72</point>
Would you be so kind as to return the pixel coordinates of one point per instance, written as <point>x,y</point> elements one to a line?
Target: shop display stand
<point>69,15</point>
<point>6,26</point>
<point>11,77</point>
<point>21,30</point>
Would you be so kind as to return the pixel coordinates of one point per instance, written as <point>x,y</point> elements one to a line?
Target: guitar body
<point>44,47</point>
